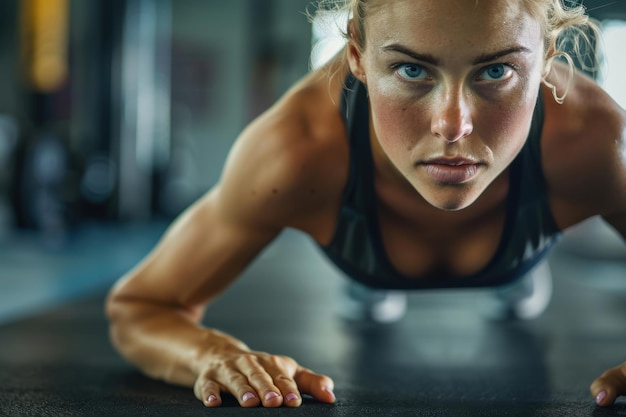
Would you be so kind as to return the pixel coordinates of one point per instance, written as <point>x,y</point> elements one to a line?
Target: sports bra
<point>530,230</point>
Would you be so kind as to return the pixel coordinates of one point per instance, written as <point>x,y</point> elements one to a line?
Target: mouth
<point>451,170</point>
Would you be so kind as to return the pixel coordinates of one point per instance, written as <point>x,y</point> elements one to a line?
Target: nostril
<point>452,126</point>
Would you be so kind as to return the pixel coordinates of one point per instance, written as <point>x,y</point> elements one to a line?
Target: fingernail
<point>600,397</point>
<point>248,396</point>
<point>211,398</point>
<point>291,397</point>
<point>270,395</point>
<point>328,390</point>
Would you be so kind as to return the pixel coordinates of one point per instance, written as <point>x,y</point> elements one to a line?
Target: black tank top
<point>357,248</point>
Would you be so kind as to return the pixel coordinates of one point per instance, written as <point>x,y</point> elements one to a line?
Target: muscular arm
<point>584,161</point>
<point>155,310</point>
<point>612,383</point>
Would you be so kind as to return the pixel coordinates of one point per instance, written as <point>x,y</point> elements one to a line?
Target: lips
<point>451,170</point>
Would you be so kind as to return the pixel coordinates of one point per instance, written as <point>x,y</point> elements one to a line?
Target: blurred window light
<point>328,38</point>
<point>612,76</point>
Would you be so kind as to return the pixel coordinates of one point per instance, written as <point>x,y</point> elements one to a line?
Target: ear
<point>549,59</point>
<point>355,56</point>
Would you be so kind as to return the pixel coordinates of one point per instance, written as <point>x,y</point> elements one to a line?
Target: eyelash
<point>395,67</point>
<point>514,67</point>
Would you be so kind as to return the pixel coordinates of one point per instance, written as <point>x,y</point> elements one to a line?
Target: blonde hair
<point>568,31</point>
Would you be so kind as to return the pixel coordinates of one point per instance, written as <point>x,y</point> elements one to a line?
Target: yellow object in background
<point>45,27</point>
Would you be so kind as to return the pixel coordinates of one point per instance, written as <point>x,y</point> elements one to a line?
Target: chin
<point>450,197</point>
<point>452,206</point>
<point>456,202</point>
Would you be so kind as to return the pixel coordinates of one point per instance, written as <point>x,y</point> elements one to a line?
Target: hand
<point>610,385</point>
<point>258,378</point>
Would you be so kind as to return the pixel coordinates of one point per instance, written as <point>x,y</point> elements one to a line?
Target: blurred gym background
<point>116,114</point>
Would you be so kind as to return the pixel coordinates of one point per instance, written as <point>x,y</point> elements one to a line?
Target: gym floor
<point>442,359</point>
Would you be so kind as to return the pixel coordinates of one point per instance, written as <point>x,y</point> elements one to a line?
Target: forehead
<point>454,24</point>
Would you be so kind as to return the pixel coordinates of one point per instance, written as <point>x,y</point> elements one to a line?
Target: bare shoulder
<point>292,161</point>
<point>285,169</point>
<point>583,152</point>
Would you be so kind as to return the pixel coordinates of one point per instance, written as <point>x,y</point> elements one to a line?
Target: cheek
<point>396,123</point>
<point>504,128</point>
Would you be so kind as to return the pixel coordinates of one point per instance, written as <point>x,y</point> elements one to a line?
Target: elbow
<point>128,323</point>
<point>115,311</point>
<point>124,313</point>
<point>122,305</point>
<point>114,306</point>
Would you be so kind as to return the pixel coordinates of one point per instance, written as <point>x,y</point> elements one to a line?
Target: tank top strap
<point>355,111</point>
<point>533,183</point>
<point>535,222</point>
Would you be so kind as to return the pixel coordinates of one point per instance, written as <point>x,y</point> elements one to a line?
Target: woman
<point>444,137</point>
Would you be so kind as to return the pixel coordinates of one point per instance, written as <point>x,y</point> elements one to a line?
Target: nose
<point>452,119</point>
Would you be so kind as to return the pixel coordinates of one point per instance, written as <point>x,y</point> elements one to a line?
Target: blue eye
<point>495,72</point>
<point>411,72</point>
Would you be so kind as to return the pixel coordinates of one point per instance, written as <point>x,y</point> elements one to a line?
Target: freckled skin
<point>414,121</point>
<point>294,160</point>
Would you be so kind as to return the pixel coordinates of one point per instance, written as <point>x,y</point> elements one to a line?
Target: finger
<point>288,388</point>
<point>610,385</point>
<point>208,392</point>
<point>237,384</point>
<point>282,369</point>
<point>603,392</point>
<point>259,378</point>
<point>319,386</point>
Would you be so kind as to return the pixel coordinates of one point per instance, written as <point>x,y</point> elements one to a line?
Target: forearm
<point>162,342</point>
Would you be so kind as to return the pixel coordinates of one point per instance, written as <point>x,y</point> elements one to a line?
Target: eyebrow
<point>497,55</point>
<point>430,59</point>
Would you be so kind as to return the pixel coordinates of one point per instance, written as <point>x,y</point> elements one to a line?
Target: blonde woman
<point>443,147</point>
